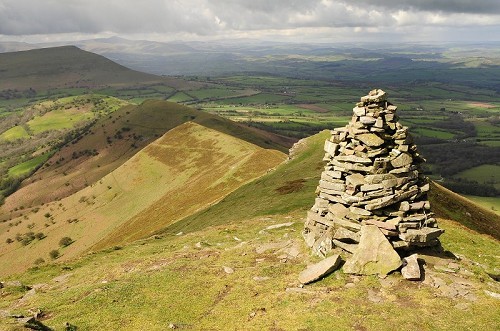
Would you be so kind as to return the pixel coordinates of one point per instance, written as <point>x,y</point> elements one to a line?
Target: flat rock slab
<point>421,236</point>
<point>374,255</point>
<point>492,294</point>
<point>320,269</point>
<point>277,226</point>
<point>370,139</point>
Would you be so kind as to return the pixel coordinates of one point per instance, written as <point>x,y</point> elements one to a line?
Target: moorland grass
<point>179,282</point>
<point>187,169</point>
<point>304,169</point>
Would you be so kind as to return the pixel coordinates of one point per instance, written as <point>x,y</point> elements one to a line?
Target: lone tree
<point>65,241</point>
<point>54,254</point>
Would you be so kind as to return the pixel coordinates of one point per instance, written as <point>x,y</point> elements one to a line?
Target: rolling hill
<point>183,171</point>
<point>112,140</point>
<point>69,67</point>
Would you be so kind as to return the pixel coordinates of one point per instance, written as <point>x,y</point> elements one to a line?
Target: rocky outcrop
<point>372,179</point>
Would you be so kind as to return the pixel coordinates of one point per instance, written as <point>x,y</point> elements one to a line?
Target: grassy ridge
<point>202,166</point>
<point>113,140</point>
<point>187,169</point>
<point>448,204</point>
<point>488,203</point>
<point>291,186</point>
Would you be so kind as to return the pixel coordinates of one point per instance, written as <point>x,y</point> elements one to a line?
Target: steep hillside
<point>292,186</point>
<point>113,140</point>
<point>242,273</point>
<point>68,67</point>
<point>185,170</point>
<point>448,204</point>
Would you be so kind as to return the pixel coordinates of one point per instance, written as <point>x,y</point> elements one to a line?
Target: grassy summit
<point>65,67</point>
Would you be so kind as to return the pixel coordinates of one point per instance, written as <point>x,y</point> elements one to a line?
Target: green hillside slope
<point>238,271</point>
<point>113,140</point>
<point>183,171</point>
<point>68,67</point>
<point>292,187</point>
<point>448,204</point>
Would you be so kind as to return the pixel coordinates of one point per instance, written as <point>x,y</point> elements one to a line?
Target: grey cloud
<point>444,6</point>
<point>282,14</point>
<point>218,17</point>
<point>18,17</point>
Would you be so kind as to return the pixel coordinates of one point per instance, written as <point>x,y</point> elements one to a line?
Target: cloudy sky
<point>285,20</point>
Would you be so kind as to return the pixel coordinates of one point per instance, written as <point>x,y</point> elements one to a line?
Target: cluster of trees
<point>471,187</point>
<point>16,94</point>
<point>8,185</point>
<point>27,237</point>
<point>455,123</point>
<point>450,158</point>
<point>291,128</point>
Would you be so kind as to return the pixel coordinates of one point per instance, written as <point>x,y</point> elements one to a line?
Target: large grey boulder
<point>374,255</point>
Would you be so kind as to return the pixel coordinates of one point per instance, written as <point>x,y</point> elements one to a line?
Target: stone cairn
<point>372,178</point>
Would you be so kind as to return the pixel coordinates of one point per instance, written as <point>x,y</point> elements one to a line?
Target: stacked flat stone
<point>372,177</point>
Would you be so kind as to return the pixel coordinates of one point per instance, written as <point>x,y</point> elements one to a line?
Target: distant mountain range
<point>250,56</point>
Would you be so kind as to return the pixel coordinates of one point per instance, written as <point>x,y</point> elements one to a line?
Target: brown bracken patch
<point>291,186</point>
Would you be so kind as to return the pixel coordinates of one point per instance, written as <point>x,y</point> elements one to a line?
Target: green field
<point>433,133</point>
<point>486,173</point>
<point>490,203</point>
<point>261,98</point>
<point>180,97</point>
<point>28,166</point>
<point>17,132</point>
<point>58,120</point>
<point>219,93</point>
